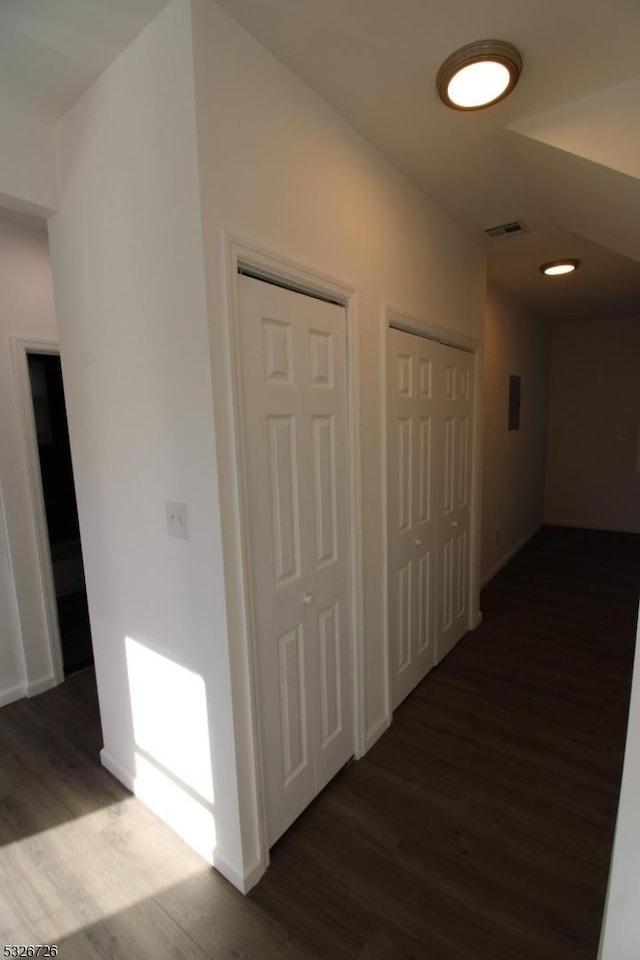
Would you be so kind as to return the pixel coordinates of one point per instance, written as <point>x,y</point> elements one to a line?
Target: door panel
<point>293,703</point>
<point>463,461</point>
<point>424,470</point>
<point>324,488</point>
<point>461,574</point>
<point>405,472</point>
<point>285,510</point>
<point>446,573</point>
<point>412,434</point>
<point>293,358</point>
<point>330,673</point>
<point>424,603</point>
<point>454,535</point>
<point>428,441</point>
<point>449,462</point>
<point>405,618</point>
<point>429,390</point>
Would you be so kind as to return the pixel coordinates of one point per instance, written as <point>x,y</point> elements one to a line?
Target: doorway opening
<point>63,531</point>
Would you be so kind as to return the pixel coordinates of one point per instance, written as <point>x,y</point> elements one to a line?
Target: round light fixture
<point>557,268</point>
<point>478,75</point>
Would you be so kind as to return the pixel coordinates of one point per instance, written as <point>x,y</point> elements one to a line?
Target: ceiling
<point>536,157</point>
<point>375,62</point>
<point>52,50</point>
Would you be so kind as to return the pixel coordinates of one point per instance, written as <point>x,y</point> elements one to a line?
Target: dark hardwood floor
<point>479,826</point>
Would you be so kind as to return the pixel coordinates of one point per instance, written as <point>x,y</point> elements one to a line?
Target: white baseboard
<point>125,777</point>
<point>375,732</point>
<point>510,555</point>
<point>587,525</point>
<point>241,881</point>
<point>31,689</point>
<point>11,694</point>
<point>40,686</point>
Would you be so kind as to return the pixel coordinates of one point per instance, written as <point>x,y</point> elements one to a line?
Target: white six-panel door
<point>293,358</point>
<point>429,404</point>
<point>414,438</point>
<point>456,390</point>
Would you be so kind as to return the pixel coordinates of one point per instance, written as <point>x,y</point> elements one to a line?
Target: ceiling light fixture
<point>478,75</point>
<point>557,268</point>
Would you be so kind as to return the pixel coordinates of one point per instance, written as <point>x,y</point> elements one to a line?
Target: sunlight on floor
<point>84,867</point>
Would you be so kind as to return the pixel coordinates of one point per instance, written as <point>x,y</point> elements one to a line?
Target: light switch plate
<point>178,519</point>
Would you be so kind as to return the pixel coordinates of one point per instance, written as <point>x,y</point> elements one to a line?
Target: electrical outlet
<point>177,519</point>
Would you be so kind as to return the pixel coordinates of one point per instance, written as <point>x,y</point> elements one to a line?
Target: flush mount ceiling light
<point>478,75</point>
<point>557,268</point>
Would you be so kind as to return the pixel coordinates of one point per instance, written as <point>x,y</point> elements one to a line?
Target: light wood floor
<point>480,826</point>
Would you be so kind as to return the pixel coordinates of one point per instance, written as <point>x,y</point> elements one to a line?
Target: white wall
<point>129,282</point>
<point>621,927</point>
<point>26,310</point>
<point>280,169</point>
<point>594,424</point>
<point>12,667</point>
<point>27,169</point>
<point>513,461</point>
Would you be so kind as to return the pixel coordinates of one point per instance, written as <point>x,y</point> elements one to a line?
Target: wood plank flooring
<point>479,826</point>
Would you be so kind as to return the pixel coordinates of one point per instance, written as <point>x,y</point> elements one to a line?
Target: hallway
<point>479,826</point>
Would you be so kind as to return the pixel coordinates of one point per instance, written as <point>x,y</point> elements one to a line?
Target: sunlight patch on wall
<point>189,817</point>
<point>173,758</point>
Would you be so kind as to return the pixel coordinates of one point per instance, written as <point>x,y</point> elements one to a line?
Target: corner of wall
<point>514,462</point>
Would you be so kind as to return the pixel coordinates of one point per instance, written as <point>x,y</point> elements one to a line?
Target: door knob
<point>454,523</point>
<point>307,599</point>
<point>418,541</point>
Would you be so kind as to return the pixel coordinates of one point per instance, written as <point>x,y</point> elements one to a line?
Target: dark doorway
<point>45,375</point>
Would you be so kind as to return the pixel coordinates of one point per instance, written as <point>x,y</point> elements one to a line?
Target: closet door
<point>413,439</point>
<point>456,388</point>
<point>293,354</point>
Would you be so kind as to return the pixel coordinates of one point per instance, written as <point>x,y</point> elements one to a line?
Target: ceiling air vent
<point>506,229</point>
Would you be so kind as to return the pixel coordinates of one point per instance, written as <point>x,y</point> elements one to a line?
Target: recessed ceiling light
<point>556,268</point>
<point>478,75</point>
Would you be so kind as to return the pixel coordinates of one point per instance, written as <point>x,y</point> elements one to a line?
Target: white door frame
<point>20,347</point>
<point>242,255</point>
<point>400,320</point>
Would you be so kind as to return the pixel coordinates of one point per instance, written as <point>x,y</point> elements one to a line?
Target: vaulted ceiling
<point>560,154</point>
<point>557,154</point>
<point>52,50</point>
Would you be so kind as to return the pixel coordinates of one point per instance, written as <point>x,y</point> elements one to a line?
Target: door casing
<point>241,256</point>
<point>20,349</point>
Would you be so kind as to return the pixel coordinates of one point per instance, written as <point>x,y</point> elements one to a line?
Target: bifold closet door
<point>456,388</point>
<point>293,359</point>
<point>414,425</point>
